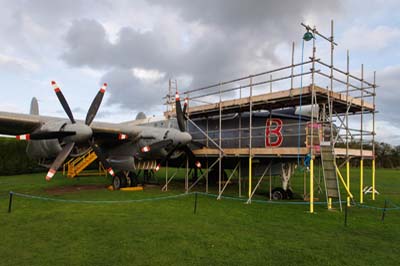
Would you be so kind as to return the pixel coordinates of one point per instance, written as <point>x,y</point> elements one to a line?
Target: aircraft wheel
<point>116,182</point>
<point>278,194</point>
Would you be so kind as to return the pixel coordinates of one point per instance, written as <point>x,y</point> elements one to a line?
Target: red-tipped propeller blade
<point>179,113</point>
<point>63,101</point>
<point>94,107</point>
<point>192,158</point>
<point>46,135</point>
<point>59,160</point>
<point>102,159</point>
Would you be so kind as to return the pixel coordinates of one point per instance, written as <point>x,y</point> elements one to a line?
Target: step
<point>332,193</point>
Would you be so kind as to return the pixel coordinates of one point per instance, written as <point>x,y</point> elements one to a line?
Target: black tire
<point>278,194</point>
<point>116,183</point>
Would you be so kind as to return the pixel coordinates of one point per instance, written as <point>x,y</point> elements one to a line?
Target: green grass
<point>166,232</point>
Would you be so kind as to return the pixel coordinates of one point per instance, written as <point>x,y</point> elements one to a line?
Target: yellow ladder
<point>75,166</point>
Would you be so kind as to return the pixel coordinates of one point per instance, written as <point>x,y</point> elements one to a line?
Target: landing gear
<point>124,179</point>
<point>147,176</point>
<point>133,177</point>
<point>289,193</point>
<point>278,194</point>
<point>118,182</point>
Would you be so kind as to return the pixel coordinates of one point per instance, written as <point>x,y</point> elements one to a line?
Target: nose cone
<point>182,138</point>
<point>83,132</point>
<point>186,137</point>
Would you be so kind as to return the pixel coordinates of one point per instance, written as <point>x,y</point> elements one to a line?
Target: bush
<point>14,159</point>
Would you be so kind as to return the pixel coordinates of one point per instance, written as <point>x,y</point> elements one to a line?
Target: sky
<point>137,46</point>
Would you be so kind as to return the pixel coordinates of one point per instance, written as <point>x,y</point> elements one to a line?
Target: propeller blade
<point>94,107</point>
<point>192,158</point>
<point>185,104</point>
<point>60,160</point>
<point>46,135</point>
<point>167,157</point>
<point>102,159</point>
<point>179,113</point>
<point>189,153</point>
<point>63,101</point>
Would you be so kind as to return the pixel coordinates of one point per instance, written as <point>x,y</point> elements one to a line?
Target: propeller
<point>59,160</point>
<point>179,113</point>
<point>94,107</point>
<point>63,101</point>
<point>40,135</point>
<point>75,132</point>
<point>102,159</point>
<point>180,116</point>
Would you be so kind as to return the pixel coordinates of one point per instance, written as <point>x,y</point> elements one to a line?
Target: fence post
<point>10,201</point>
<point>384,211</point>
<point>195,203</point>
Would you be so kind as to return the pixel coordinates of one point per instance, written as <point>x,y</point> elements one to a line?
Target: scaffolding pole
<point>361,142</point>
<point>250,137</point>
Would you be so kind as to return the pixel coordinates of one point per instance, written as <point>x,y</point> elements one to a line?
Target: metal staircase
<point>330,175</point>
<point>75,166</point>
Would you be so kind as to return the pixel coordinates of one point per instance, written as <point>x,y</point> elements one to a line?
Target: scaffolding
<point>338,101</point>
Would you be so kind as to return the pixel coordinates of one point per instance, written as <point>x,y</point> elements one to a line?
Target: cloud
<point>361,37</point>
<point>388,98</point>
<point>14,64</point>
<point>132,92</point>
<point>278,16</point>
<point>200,42</point>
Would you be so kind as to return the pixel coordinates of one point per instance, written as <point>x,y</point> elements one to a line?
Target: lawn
<point>167,232</point>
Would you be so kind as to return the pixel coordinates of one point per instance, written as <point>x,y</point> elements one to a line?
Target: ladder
<point>75,166</point>
<point>329,172</point>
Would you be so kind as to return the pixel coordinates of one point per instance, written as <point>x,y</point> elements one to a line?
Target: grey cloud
<point>133,93</point>
<point>251,15</point>
<point>388,98</point>
<point>236,38</point>
<point>87,44</point>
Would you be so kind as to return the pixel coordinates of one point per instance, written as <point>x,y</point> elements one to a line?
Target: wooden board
<point>283,98</point>
<point>279,152</point>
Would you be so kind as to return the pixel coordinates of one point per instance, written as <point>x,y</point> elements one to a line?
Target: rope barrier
<point>262,201</point>
<point>98,201</point>
<point>396,207</point>
<point>378,208</point>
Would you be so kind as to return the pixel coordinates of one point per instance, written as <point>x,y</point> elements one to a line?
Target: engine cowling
<point>39,149</point>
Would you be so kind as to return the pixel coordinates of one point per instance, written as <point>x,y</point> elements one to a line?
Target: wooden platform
<point>281,99</point>
<point>275,152</point>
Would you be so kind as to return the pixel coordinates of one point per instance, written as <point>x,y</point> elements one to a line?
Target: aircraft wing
<point>16,124</point>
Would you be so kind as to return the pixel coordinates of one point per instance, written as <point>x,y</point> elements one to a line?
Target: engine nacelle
<point>46,149</point>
